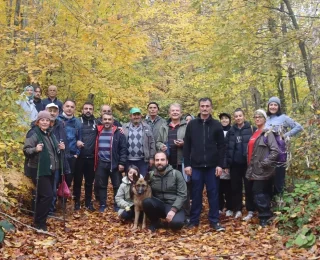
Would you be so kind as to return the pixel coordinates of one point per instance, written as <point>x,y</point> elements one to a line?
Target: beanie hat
<point>275,100</point>
<point>261,112</point>
<point>43,114</point>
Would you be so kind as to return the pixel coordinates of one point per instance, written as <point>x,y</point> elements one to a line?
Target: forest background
<point>129,52</point>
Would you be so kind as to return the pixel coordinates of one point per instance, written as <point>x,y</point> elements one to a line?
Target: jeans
<point>103,173</point>
<point>155,209</point>
<point>237,174</point>
<point>84,168</point>
<point>201,177</point>
<point>141,164</point>
<point>44,196</point>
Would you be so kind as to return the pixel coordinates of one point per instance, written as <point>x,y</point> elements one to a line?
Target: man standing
<point>168,199</point>
<point>37,99</point>
<point>106,109</point>
<point>110,157</point>
<point>140,142</point>
<point>52,98</point>
<point>153,120</point>
<point>60,133</point>
<point>73,131</point>
<point>203,153</point>
<point>85,162</point>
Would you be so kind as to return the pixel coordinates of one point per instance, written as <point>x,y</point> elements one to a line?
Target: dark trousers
<point>72,164</point>
<point>84,168</point>
<point>141,164</point>
<point>103,173</point>
<point>237,174</point>
<point>186,204</point>
<point>201,177</point>
<point>261,194</point>
<point>128,215</point>
<point>156,209</point>
<point>279,179</point>
<point>225,195</point>
<point>45,196</point>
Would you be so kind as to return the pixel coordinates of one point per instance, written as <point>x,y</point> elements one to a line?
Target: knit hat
<point>261,112</point>
<point>275,100</point>
<point>43,114</point>
<point>225,114</point>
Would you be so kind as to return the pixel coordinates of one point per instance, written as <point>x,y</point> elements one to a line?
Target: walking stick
<point>63,198</point>
<point>36,195</point>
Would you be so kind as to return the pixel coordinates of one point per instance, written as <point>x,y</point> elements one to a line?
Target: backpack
<point>282,156</point>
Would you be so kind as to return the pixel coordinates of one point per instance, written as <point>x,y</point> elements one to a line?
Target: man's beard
<point>161,168</point>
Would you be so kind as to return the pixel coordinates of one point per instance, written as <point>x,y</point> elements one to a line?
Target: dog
<point>140,191</point>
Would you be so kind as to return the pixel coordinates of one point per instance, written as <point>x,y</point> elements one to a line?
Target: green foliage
<point>5,226</point>
<point>296,217</point>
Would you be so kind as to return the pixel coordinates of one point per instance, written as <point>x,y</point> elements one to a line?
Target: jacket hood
<point>168,169</point>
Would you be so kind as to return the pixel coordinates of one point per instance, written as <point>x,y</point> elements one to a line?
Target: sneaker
<point>102,208</point>
<point>249,216</point>
<point>217,227</point>
<point>77,205</point>
<point>41,227</point>
<point>238,214</point>
<point>192,225</point>
<point>90,207</point>
<point>229,213</point>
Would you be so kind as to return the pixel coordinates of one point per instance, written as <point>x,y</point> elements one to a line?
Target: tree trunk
<point>9,12</point>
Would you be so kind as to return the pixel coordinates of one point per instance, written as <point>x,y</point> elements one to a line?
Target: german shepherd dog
<point>140,191</point>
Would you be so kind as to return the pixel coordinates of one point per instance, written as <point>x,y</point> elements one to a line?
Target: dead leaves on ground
<point>102,236</point>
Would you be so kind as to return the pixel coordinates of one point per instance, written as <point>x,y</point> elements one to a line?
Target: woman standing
<point>42,149</point>
<point>236,147</point>
<point>26,103</point>
<point>280,123</point>
<point>262,155</point>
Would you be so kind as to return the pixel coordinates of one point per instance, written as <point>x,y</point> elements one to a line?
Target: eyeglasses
<point>257,117</point>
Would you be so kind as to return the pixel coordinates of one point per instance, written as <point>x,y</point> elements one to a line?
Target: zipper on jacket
<point>111,142</point>
<point>204,143</point>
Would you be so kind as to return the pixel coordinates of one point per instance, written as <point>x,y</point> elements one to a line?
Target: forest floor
<point>94,235</point>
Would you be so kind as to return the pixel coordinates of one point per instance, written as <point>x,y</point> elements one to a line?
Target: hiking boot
<point>264,222</point>
<point>41,226</point>
<point>229,213</point>
<point>192,225</point>
<point>89,206</point>
<point>102,208</point>
<point>217,227</point>
<point>77,205</point>
<point>238,214</point>
<point>249,216</point>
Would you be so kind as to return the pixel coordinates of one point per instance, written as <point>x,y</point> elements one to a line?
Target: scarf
<point>68,117</point>
<point>226,128</point>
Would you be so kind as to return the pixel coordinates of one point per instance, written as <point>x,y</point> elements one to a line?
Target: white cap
<point>52,105</point>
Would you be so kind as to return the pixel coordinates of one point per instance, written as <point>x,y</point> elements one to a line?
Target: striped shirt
<point>104,145</point>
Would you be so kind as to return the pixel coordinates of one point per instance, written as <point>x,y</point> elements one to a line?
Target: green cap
<point>135,110</point>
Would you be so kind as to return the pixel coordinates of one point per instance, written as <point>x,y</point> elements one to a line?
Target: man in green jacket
<point>169,192</point>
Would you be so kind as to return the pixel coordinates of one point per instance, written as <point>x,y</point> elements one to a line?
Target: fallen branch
<point>28,226</point>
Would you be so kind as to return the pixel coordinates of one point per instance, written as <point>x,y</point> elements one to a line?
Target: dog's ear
<point>147,177</point>
<point>135,178</point>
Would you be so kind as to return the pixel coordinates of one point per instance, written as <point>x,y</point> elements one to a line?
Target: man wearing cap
<point>154,120</point>
<point>59,132</point>
<point>140,142</point>
<point>52,98</point>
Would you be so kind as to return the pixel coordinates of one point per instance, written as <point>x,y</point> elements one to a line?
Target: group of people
<point>179,156</point>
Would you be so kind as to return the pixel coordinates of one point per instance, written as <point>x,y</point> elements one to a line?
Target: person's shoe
<point>102,208</point>
<point>249,216</point>
<point>187,221</point>
<point>264,222</point>
<point>152,228</point>
<point>41,227</point>
<point>77,205</point>
<point>90,207</point>
<point>238,214</point>
<point>220,212</point>
<point>229,213</point>
<point>192,225</point>
<point>217,227</point>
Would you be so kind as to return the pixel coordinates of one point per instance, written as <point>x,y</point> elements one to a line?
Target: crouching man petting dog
<point>169,192</point>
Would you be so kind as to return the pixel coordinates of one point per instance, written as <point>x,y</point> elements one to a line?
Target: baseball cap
<point>52,105</point>
<point>135,110</point>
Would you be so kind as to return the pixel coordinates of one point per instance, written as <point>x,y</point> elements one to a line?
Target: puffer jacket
<point>170,187</point>
<point>149,148</point>
<point>163,137</point>
<point>264,157</point>
<point>236,144</point>
<point>89,134</point>
<point>123,198</point>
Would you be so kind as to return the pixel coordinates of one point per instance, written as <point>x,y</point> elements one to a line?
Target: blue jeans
<point>56,181</point>
<point>201,177</point>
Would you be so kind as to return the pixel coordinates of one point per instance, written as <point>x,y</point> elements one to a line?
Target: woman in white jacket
<point>26,103</point>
